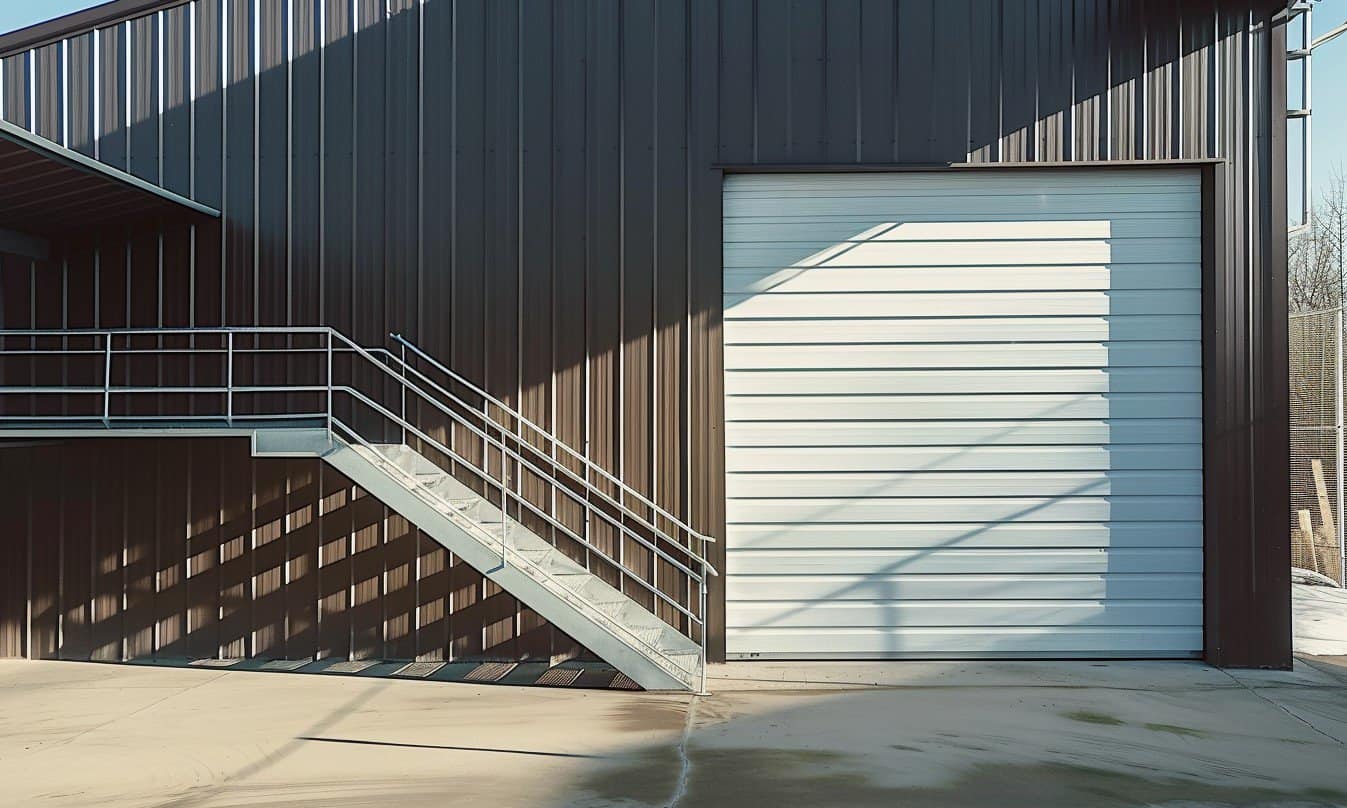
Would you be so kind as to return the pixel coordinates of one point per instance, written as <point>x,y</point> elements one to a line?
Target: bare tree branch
<point>1317,255</point>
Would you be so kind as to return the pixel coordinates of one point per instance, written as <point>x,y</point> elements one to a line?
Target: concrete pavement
<point>911,734</point>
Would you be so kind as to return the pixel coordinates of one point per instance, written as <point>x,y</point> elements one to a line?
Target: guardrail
<point>263,375</point>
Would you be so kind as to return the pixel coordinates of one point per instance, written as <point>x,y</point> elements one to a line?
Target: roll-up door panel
<point>963,414</point>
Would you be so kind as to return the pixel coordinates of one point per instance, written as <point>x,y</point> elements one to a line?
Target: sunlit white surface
<point>963,414</point>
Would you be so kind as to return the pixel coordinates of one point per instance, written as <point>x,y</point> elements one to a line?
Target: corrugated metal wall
<point>529,189</point>
<point>220,554</point>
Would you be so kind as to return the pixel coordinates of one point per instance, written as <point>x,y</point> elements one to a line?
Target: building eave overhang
<point>50,190</point>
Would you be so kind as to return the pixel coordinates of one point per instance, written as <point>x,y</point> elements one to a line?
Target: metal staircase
<point>596,558</point>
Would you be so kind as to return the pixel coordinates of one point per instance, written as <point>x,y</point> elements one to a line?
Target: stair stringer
<point>583,622</point>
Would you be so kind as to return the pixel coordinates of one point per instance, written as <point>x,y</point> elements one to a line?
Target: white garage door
<point>963,414</point>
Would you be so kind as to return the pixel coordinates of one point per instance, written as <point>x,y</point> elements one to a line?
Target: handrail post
<point>589,527</point>
<point>329,388</point>
<point>625,492</point>
<point>518,469</point>
<point>701,613</point>
<point>504,485</point>
<point>403,369</point>
<point>229,377</point>
<point>107,377</point>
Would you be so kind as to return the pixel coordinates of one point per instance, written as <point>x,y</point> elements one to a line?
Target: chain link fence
<point>1317,442</point>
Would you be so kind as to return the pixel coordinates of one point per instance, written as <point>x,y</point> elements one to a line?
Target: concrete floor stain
<point>735,777</point>
<point>1174,729</point>
<point>1091,717</point>
<point>650,716</point>
<point>648,778</point>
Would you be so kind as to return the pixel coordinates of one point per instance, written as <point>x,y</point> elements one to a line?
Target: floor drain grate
<point>285,664</point>
<point>558,677</point>
<point>214,663</point>
<point>354,666</point>
<point>623,682</point>
<point>490,672</point>
<point>418,669</point>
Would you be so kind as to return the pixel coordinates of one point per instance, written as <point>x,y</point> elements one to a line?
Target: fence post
<point>1338,434</point>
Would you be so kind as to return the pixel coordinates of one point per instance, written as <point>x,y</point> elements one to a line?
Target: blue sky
<point>18,13</point>
<point>1330,93</point>
<point>1329,140</point>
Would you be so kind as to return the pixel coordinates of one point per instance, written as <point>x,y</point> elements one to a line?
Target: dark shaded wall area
<point>531,190</point>
<point>176,548</point>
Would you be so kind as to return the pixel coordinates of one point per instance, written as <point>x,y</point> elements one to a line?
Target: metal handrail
<point>568,473</point>
<point>522,501</point>
<point>410,379</point>
<point>369,355</point>
<point>706,568</point>
<point>514,455</point>
<point>609,621</point>
<point>169,331</point>
<point>557,443</point>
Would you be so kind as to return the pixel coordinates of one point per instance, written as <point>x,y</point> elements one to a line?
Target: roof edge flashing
<point>78,22</point>
<point>83,162</point>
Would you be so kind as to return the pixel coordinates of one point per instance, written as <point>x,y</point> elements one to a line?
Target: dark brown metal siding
<point>530,190</point>
<point>197,534</point>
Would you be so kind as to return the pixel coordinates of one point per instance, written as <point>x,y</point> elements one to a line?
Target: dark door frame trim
<point>1232,548</point>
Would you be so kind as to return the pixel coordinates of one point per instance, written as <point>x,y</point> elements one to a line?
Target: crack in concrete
<point>1256,694</point>
<point>684,762</point>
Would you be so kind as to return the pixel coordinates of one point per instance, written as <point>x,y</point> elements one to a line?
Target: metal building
<point>662,331</point>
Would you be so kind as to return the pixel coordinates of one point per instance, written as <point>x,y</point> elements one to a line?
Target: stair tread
<point>663,644</point>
